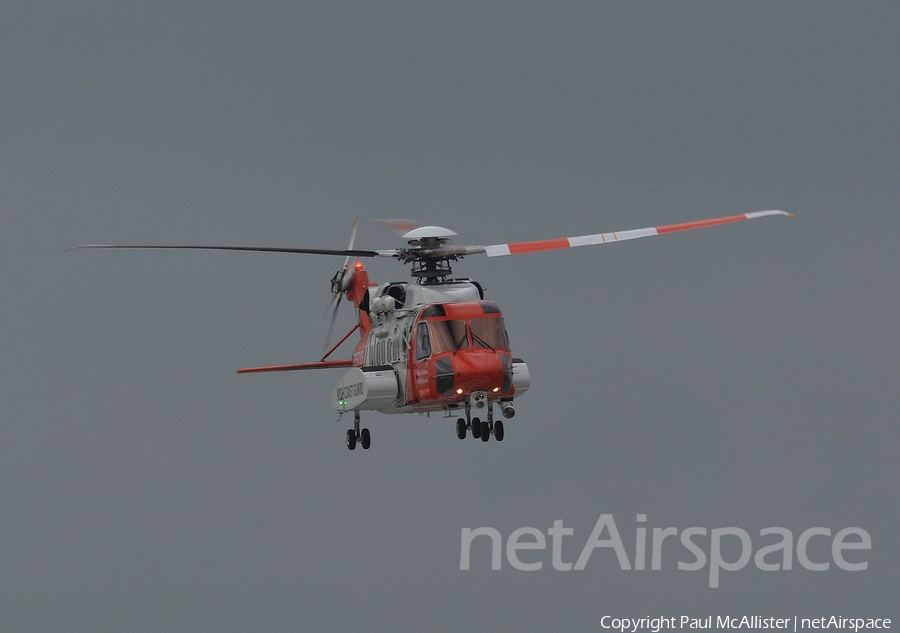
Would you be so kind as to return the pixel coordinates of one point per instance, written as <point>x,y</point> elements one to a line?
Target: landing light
<point>459,391</point>
<point>496,389</point>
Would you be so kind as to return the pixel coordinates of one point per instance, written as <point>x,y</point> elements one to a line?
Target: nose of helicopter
<point>474,370</point>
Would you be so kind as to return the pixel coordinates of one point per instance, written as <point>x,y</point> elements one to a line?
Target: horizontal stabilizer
<point>322,364</point>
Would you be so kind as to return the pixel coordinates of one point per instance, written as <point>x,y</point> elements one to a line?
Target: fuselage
<point>429,347</point>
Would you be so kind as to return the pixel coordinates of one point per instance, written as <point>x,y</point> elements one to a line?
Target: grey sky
<point>743,376</point>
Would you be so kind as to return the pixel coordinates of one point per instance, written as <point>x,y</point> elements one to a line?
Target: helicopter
<point>433,345</point>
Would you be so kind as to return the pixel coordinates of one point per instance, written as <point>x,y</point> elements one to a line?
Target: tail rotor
<point>340,282</point>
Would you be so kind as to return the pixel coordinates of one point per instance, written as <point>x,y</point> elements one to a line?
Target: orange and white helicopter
<point>434,344</point>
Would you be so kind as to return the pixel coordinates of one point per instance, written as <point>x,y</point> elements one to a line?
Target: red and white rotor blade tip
<point>498,250</point>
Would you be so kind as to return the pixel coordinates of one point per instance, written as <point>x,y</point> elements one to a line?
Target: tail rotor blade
<point>345,278</point>
<point>348,274</point>
<point>334,311</point>
<point>353,234</point>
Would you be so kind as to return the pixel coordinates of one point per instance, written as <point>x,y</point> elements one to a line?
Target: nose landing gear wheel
<point>351,439</point>
<point>365,439</point>
<point>461,428</point>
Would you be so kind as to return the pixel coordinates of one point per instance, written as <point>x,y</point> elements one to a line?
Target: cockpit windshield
<point>452,335</point>
<point>488,333</point>
<point>448,336</point>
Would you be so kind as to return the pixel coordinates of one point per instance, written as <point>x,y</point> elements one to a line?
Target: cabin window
<point>423,343</point>
<point>488,333</point>
<point>449,336</point>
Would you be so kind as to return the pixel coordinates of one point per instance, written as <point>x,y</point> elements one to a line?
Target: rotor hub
<point>426,252</point>
<point>337,281</point>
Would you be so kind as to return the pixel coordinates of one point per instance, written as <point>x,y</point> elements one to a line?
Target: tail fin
<point>358,293</point>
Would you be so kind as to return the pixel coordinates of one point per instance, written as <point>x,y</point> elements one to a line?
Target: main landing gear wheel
<point>476,428</point>
<point>485,431</point>
<point>461,428</point>
<point>364,439</point>
<point>498,430</point>
<point>354,435</point>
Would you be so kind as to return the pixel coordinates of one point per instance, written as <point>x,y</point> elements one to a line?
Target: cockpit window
<point>488,333</point>
<point>423,343</point>
<point>448,336</point>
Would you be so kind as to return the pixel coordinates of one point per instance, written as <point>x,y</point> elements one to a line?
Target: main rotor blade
<point>400,226</point>
<point>499,250</point>
<point>262,249</point>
